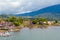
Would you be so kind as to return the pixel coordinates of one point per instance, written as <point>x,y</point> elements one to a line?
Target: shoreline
<point>5,33</point>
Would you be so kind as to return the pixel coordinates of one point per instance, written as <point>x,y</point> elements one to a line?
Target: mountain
<point>51,9</point>
<point>49,16</point>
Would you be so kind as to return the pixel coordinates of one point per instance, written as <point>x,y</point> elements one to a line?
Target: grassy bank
<point>16,23</point>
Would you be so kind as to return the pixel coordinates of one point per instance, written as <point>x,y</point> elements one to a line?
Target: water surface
<point>51,33</point>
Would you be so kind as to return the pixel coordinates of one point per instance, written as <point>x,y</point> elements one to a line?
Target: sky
<point>24,6</point>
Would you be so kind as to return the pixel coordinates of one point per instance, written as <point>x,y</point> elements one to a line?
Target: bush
<point>16,23</point>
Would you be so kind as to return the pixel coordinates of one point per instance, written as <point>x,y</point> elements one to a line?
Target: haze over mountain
<point>51,9</point>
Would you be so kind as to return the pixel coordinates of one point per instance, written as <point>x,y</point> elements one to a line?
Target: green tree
<point>20,20</point>
<point>16,23</point>
<point>11,19</point>
<point>34,21</point>
<point>41,19</point>
<point>56,21</point>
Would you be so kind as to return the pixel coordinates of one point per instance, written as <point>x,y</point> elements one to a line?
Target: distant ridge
<point>50,9</point>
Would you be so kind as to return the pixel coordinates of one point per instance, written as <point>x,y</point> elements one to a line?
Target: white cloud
<point>15,4</point>
<point>30,4</point>
<point>24,12</point>
<point>22,6</point>
<point>8,5</point>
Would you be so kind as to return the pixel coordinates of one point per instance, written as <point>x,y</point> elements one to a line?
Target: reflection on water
<point>52,33</point>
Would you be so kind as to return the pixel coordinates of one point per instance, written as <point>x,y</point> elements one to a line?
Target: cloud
<point>24,12</point>
<point>22,6</point>
<point>15,4</point>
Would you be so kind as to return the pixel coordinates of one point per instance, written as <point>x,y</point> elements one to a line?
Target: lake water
<point>51,33</point>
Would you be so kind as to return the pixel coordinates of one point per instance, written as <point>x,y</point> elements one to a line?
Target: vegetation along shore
<point>14,24</point>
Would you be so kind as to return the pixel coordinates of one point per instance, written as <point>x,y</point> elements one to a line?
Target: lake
<point>51,33</point>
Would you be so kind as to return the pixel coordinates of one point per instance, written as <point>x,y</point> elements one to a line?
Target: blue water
<point>51,33</point>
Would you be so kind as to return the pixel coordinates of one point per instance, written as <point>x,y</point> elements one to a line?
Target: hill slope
<point>49,16</point>
<point>52,9</point>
